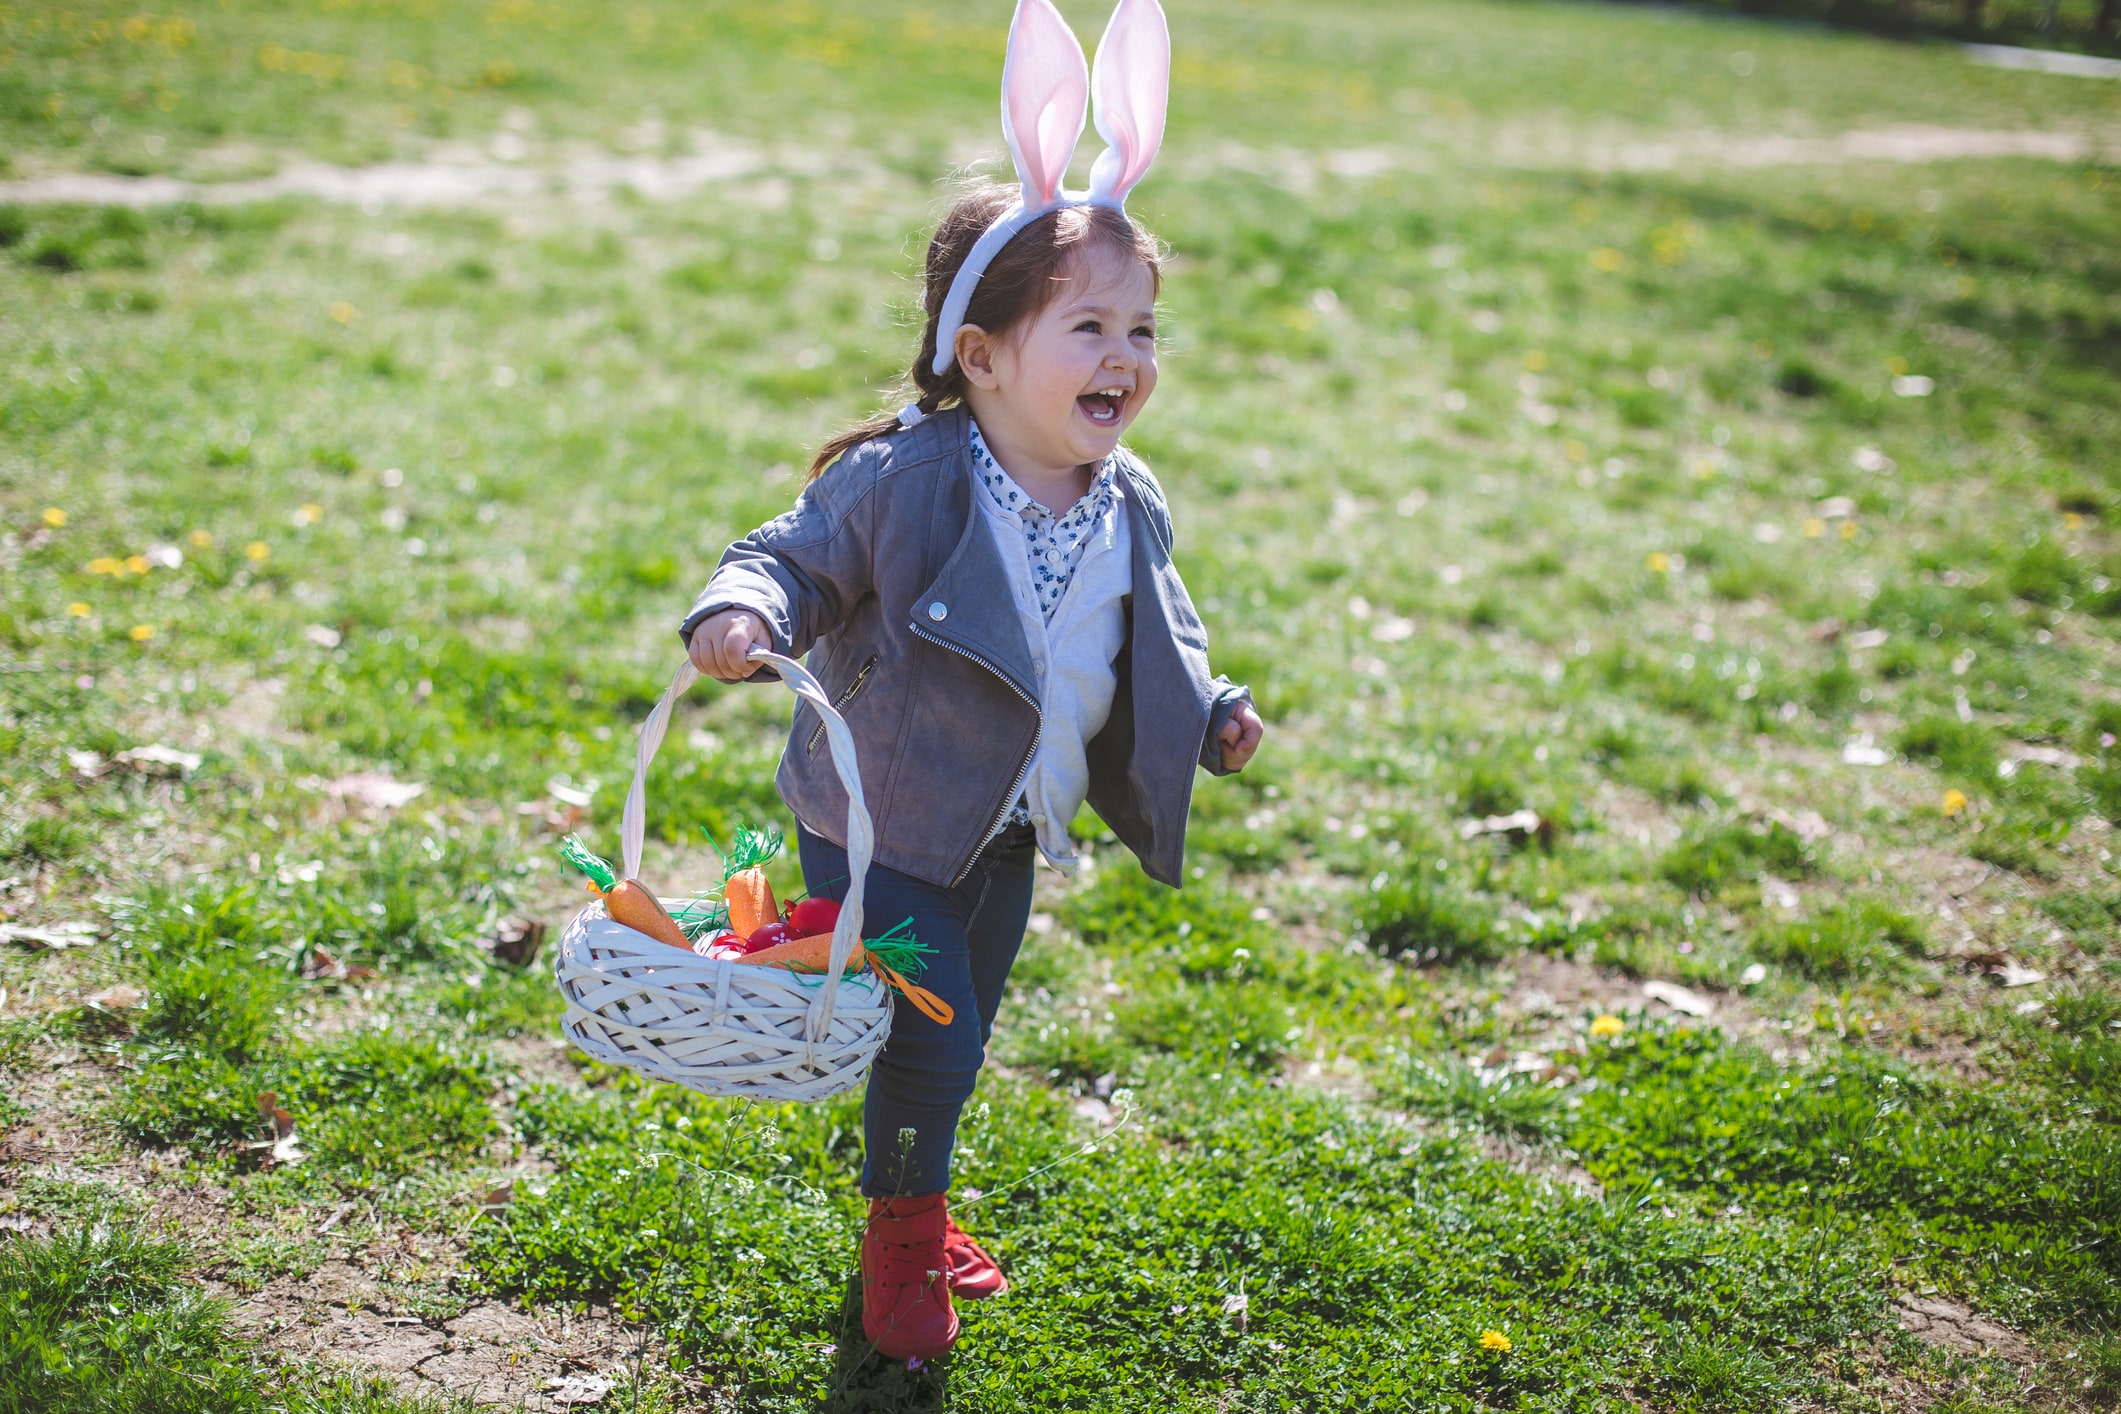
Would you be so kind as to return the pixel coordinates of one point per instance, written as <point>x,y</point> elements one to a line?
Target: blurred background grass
<point>1637,416</point>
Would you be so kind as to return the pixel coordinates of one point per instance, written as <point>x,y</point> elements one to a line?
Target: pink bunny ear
<point>1045,89</point>
<point>1133,85</point>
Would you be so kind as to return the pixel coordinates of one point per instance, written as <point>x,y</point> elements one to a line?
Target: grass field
<point>1562,412</point>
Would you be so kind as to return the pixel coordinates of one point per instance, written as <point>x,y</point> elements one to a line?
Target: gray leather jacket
<point>885,575</point>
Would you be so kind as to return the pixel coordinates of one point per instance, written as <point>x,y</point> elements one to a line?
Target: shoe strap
<point>893,1265</point>
<point>915,1229</point>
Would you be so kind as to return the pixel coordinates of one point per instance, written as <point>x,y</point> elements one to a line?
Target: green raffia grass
<point>594,867</point>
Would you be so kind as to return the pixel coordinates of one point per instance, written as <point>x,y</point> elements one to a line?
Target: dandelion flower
<point>1954,802</point>
<point>1607,259</point>
<point>1495,1341</point>
<point>1658,561</point>
<point>256,551</point>
<point>79,610</point>
<point>54,517</point>
<point>1607,1025</point>
<point>1814,527</point>
<point>140,633</point>
<point>136,564</point>
<point>106,564</point>
<point>308,514</point>
<point>343,313</point>
<point>201,540</point>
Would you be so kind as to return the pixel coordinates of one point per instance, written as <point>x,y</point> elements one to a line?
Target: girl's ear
<point>1133,86</point>
<point>1045,90</point>
<point>975,356</point>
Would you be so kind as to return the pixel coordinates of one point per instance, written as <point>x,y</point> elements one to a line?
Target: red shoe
<point>974,1276</point>
<point>906,1311</point>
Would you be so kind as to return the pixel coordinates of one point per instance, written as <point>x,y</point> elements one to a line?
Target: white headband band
<point>1045,85</point>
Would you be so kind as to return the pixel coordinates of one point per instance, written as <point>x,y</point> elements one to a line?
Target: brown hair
<point>1016,285</point>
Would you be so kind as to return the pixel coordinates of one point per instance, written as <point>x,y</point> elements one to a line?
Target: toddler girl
<point>984,583</point>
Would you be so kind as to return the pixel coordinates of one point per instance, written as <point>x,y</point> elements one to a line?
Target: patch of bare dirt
<point>1936,1321</point>
<point>490,1354</point>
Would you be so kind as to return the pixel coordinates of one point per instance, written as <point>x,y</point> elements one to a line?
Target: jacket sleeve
<point>1227,697</point>
<point>801,572</point>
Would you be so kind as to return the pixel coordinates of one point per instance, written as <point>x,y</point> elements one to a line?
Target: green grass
<point>112,1319</point>
<point>1509,479</point>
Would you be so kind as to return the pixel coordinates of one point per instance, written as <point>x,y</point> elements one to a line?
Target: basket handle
<point>861,835</point>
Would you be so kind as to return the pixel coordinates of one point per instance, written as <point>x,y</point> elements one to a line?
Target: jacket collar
<point>979,614</point>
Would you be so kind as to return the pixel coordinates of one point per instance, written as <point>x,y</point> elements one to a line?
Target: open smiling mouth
<point>1103,408</point>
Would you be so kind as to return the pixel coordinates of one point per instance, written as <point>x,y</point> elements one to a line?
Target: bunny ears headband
<point>1044,87</point>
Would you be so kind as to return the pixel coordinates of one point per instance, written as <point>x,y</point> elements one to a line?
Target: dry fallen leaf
<point>1678,998</point>
<point>123,997</point>
<point>374,791</point>
<point>160,760</point>
<point>515,941</point>
<point>322,966</point>
<point>2010,974</point>
<point>1519,822</point>
<point>57,935</point>
<point>578,1389</point>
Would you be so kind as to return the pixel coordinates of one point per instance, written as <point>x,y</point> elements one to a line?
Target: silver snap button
<point>1038,820</point>
<point>938,611</point>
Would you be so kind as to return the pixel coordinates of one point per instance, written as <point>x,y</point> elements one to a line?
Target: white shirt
<point>1074,639</point>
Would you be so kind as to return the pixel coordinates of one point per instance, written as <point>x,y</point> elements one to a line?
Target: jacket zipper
<point>843,699</point>
<point>1023,772</point>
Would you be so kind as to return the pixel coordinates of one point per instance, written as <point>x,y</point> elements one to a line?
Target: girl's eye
<point>1090,326</point>
<point>1144,332</point>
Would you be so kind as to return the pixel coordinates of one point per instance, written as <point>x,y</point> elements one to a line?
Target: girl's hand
<point>1239,737</point>
<point>720,642</point>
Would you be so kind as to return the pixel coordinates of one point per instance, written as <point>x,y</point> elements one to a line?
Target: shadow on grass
<point>866,1382</point>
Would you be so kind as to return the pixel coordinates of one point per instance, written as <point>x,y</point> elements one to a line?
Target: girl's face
<point>1064,386</point>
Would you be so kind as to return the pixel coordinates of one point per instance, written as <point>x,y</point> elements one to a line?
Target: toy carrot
<point>629,902</point>
<point>814,954</point>
<point>750,901</point>
<point>746,896</point>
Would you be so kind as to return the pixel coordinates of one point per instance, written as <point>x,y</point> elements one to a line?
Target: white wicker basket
<point>727,1028</point>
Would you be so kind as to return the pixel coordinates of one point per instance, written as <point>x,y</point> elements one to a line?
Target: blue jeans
<point>925,1073</point>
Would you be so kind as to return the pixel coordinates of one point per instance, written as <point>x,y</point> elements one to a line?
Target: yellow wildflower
<point>1814,528</point>
<point>1954,802</point>
<point>256,551</point>
<point>1607,259</point>
<point>1658,561</point>
<point>201,539</point>
<point>1607,1025</point>
<point>136,564</point>
<point>1848,530</point>
<point>106,564</point>
<point>79,610</point>
<point>1536,361</point>
<point>140,633</point>
<point>343,313</point>
<point>54,517</point>
<point>308,514</point>
<point>1495,1341</point>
